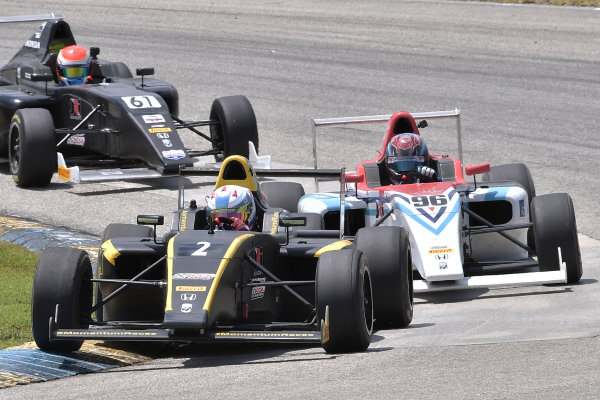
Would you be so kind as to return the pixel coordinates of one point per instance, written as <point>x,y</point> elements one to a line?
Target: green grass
<point>580,3</point>
<point>17,267</point>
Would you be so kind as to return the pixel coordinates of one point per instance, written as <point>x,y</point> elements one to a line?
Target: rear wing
<point>29,18</point>
<point>382,118</point>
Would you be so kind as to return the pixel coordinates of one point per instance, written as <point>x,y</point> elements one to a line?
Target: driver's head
<point>232,201</point>
<point>404,154</point>
<point>72,65</point>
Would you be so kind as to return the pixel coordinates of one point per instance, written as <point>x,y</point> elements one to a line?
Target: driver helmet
<point>232,201</point>
<point>404,154</point>
<point>72,65</point>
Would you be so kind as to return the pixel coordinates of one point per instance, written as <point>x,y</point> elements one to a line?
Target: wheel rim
<point>15,150</point>
<point>368,303</point>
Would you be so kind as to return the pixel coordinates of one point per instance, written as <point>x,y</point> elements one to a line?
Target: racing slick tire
<point>387,249</point>
<point>32,147</point>
<point>554,226</point>
<point>513,172</point>
<point>518,173</point>
<point>236,126</point>
<point>62,276</point>
<point>283,194</point>
<point>343,283</point>
<point>113,231</point>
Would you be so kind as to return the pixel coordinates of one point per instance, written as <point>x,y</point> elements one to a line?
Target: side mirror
<point>290,220</point>
<point>94,51</point>
<point>153,220</point>
<point>150,220</point>
<point>355,177</point>
<point>477,169</point>
<point>144,71</point>
<point>41,78</point>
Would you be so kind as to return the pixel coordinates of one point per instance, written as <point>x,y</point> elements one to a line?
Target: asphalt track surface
<point>526,80</point>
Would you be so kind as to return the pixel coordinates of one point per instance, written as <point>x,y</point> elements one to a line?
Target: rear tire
<point>387,249</point>
<point>283,194</point>
<point>237,126</point>
<point>343,283</point>
<point>554,225</point>
<point>32,147</point>
<point>62,276</point>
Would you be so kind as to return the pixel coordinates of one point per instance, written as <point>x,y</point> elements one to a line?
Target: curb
<point>26,363</point>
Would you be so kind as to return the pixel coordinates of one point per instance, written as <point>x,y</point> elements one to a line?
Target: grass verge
<point>17,267</point>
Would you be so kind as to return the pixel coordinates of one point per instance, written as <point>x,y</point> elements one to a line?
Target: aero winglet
<point>66,173</point>
<point>262,162</point>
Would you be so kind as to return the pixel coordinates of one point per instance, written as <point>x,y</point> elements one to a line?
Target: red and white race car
<point>490,231</point>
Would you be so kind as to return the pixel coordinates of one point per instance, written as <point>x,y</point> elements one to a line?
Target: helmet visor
<point>229,213</point>
<point>75,72</point>
<point>405,164</point>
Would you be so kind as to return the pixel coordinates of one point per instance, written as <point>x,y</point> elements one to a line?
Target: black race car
<point>126,125</point>
<point>289,281</point>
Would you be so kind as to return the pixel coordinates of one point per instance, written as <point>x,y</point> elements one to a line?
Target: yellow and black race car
<point>289,281</point>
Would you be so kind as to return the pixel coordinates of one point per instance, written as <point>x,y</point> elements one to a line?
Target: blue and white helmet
<point>232,201</point>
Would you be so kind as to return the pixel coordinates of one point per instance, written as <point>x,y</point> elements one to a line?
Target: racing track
<point>526,80</point>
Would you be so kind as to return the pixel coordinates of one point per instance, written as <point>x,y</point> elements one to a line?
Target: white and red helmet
<point>73,65</point>
<point>232,201</point>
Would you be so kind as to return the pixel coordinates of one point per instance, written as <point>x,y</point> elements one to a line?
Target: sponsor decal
<point>522,208</point>
<point>258,292</point>
<point>64,173</point>
<point>275,222</point>
<point>190,288</point>
<point>76,140</point>
<point>27,75</point>
<point>258,280</point>
<point>111,172</point>
<point>160,130</point>
<point>443,265</point>
<point>153,118</point>
<point>188,296</point>
<point>162,135</point>
<point>99,332</point>
<point>34,44</point>
<point>167,143</point>
<point>441,256</point>
<point>194,275</point>
<point>75,109</point>
<point>264,334</point>
<point>440,251</point>
<point>258,252</point>
<point>138,102</point>
<point>16,118</point>
<point>183,221</point>
<point>173,154</point>
<point>186,308</point>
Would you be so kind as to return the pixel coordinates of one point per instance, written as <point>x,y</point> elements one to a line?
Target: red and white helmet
<point>72,65</point>
<point>232,201</point>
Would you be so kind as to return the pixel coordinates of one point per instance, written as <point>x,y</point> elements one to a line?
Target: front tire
<point>554,226</point>
<point>32,147</point>
<point>236,126</point>
<point>62,276</point>
<point>387,249</point>
<point>343,283</point>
